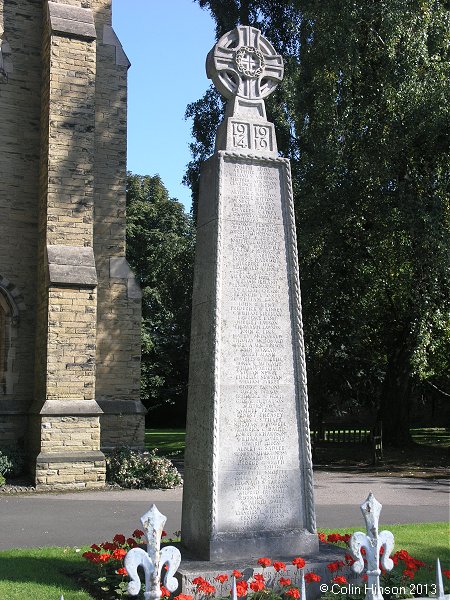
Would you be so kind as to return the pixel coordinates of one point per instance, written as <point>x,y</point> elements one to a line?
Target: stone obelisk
<point>248,474</point>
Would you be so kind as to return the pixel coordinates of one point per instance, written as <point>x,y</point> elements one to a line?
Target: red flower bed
<point>106,561</point>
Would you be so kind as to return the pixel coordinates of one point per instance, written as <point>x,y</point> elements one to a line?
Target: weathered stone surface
<point>248,472</point>
<point>6,64</point>
<point>120,269</point>
<point>110,38</point>
<point>57,471</point>
<point>65,274</point>
<point>72,20</point>
<point>69,332</point>
<point>59,458</point>
<point>191,568</point>
<point>70,407</point>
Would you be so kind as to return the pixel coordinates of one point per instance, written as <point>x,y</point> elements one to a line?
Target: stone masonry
<point>70,307</point>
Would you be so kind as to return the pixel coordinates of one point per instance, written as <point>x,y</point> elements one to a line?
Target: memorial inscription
<point>248,487</point>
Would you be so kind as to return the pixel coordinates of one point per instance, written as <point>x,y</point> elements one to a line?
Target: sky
<point>166,42</point>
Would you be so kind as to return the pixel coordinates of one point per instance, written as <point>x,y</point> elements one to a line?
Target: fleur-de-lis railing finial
<point>153,560</point>
<point>372,542</point>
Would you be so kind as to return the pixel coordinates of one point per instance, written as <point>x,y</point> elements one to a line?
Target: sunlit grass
<point>424,541</point>
<point>169,442</point>
<point>46,573</point>
<point>41,574</point>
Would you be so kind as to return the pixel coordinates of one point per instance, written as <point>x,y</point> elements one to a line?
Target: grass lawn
<point>424,541</point>
<point>169,442</point>
<point>43,573</point>
<point>432,436</point>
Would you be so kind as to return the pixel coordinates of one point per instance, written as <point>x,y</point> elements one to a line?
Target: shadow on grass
<point>47,567</point>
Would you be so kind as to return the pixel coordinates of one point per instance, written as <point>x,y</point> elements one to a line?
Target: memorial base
<point>191,568</point>
<point>242,545</point>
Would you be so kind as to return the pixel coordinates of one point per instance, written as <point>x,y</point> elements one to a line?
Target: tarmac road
<point>82,518</point>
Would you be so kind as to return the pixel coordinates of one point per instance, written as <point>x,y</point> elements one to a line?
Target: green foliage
<point>160,249</point>
<point>12,461</point>
<point>206,114</point>
<point>5,463</point>
<point>363,114</point>
<point>105,573</point>
<point>2,480</point>
<point>137,469</point>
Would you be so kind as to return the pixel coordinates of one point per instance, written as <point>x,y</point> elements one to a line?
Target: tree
<point>160,249</point>
<point>363,115</point>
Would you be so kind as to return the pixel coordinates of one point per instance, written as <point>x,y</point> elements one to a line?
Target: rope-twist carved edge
<point>257,157</point>
<point>301,359</point>
<point>216,400</point>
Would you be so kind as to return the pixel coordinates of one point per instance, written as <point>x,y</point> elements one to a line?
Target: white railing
<point>155,559</point>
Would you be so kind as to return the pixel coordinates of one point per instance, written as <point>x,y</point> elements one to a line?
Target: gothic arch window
<point>9,317</point>
<point>5,326</point>
<point>6,67</point>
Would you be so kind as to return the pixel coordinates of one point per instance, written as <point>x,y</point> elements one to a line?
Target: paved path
<point>82,518</point>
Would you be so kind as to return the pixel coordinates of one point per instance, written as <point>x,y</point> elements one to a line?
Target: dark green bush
<point>12,461</point>
<point>5,463</point>
<point>140,469</point>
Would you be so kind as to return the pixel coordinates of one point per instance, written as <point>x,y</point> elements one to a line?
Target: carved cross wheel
<point>244,63</point>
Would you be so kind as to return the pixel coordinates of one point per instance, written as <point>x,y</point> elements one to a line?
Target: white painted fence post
<point>439,583</point>
<point>234,595</point>
<point>372,542</point>
<point>303,587</point>
<point>153,560</point>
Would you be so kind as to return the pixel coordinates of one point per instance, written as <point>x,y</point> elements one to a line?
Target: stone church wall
<point>70,387</point>
<point>20,92</point>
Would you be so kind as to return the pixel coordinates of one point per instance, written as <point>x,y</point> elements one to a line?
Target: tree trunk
<point>244,12</point>
<point>395,407</point>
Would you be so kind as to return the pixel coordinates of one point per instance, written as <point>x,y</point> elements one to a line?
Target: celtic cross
<point>244,65</point>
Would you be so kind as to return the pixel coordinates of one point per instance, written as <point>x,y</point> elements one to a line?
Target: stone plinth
<point>248,474</point>
<point>191,568</point>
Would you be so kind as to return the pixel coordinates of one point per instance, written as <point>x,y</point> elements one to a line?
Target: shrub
<point>12,461</point>
<point>140,469</point>
<point>2,480</point>
<point>5,463</point>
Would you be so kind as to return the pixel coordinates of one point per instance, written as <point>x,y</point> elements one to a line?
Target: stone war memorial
<point>70,307</point>
<point>248,472</point>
